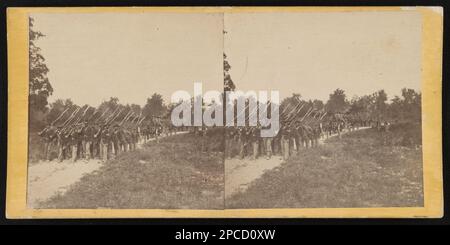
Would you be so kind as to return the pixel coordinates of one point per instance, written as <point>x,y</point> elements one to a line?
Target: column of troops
<point>86,141</point>
<point>301,131</point>
<point>106,138</point>
<point>99,139</point>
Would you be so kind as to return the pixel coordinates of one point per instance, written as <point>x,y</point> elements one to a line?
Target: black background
<point>165,228</point>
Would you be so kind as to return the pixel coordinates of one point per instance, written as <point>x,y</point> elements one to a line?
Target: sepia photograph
<point>226,112</point>
<point>100,134</point>
<point>350,110</point>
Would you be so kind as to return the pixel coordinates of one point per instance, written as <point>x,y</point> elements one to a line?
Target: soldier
<point>316,131</point>
<point>66,141</point>
<point>96,141</point>
<point>126,139</point>
<point>292,141</point>
<point>242,141</point>
<point>105,136</point>
<point>297,132</point>
<point>267,146</point>
<point>115,139</point>
<point>157,131</point>
<point>88,139</point>
<point>60,143</point>
<point>254,133</point>
<point>49,135</point>
<point>134,138</point>
<point>285,135</point>
<point>75,141</point>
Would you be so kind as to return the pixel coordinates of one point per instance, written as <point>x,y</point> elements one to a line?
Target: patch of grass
<point>359,170</point>
<point>173,174</point>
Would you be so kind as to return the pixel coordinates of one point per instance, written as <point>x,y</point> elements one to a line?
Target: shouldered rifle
<point>108,118</point>
<point>93,114</point>
<point>289,114</point>
<point>115,117</point>
<point>126,117</point>
<point>140,121</point>
<point>62,114</point>
<point>82,114</point>
<point>294,115</point>
<point>71,116</point>
<point>103,114</point>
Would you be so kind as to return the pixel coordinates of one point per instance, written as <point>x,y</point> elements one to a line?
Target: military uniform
<point>75,142</point>
<point>242,141</point>
<point>115,140</point>
<point>285,135</point>
<point>254,133</point>
<point>96,148</point>
<point>49,136</point>
<point>88,139</point>
<point>105,143</point>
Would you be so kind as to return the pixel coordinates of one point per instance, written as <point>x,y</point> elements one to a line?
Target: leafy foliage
<point>337,102</point>
<point>155,106</point>
<point>39,85</point>
<point>228,84</point>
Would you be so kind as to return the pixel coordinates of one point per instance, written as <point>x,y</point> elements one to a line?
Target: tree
<point>136,109</point>
<point>412,104</point>
<point>337,102</point>
<point>407,108</point>
<point>380,106</point>
<point>57,108</point>
<point>39,86</point>
<point>318,104</point>
<point>228,83</point>
<point>111,104</point>
<point>154,106</point>
<point>361,107</point>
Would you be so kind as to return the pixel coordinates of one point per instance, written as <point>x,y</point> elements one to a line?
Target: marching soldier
<point>96,141</point>
<point>105,136</point>
<point>115,139</point>
<point>134,139</point>
<point>49,135</point>
<point>75,141</point>
<point>242,138</point>
<point>254,133</point>
<point>88,138</point>
<point>285,135</point>
<point>298,136</point>
<point>267,145</point>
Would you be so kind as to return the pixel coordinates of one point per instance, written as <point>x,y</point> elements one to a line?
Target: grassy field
<point>365,168</point>
<point>173,174</point>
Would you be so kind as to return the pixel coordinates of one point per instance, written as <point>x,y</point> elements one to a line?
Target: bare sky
<point>92,57</point>
<point>315,53</point>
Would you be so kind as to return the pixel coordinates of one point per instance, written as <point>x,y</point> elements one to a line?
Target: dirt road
<point>48,178</point>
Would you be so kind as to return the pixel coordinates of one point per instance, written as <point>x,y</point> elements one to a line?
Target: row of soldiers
<point>86,133</point>
<point>292,137</point>
<point>246,141</point>
<point>86,141</point>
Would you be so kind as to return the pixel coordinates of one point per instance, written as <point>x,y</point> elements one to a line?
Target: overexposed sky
<point>94,56</point>
<point>315,53</point>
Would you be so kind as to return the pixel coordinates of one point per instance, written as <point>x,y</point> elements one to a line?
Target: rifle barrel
<point>64,112</point>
